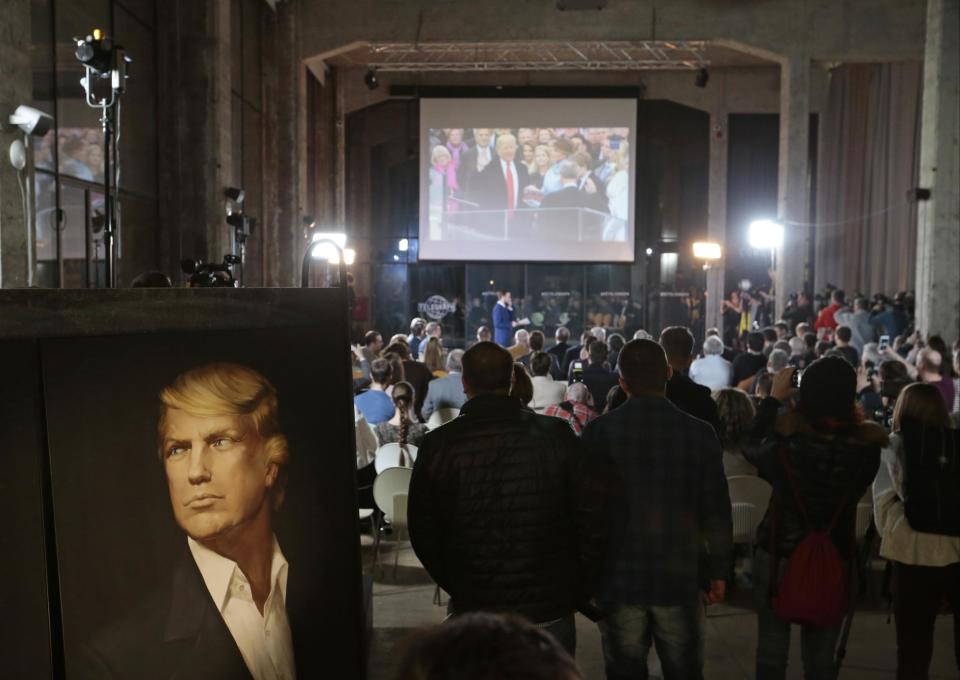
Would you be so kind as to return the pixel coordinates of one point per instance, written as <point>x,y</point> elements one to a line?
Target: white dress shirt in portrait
<point>264,640</point>
<point>483,157</point>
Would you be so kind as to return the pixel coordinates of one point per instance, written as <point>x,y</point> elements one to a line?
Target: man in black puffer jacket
<point>506,512</point>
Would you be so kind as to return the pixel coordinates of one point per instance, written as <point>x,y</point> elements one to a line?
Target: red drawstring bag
<point>814,589</point>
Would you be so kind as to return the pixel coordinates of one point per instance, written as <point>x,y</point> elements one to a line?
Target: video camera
<point>210,275</point>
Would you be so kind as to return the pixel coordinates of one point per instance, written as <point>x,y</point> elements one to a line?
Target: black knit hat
<point>828,388</point>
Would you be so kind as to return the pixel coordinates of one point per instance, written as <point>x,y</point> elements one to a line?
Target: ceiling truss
<point>539,56</point>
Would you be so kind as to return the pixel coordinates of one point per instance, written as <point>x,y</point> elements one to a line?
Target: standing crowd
<point>593,477</point>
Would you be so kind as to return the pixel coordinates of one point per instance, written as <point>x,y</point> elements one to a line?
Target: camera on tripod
<point>210,275</point>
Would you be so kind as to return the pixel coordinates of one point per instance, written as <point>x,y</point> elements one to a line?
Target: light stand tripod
<point>106,61</point>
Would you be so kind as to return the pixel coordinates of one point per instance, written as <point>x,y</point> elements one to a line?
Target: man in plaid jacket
<point>676,506</point>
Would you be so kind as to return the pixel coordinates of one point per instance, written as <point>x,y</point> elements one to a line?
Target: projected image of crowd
<point>569,184</point>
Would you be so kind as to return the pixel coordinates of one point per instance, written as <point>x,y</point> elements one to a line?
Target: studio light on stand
<point>32,123</point>
<point>105,61</point>
<point>707,251</point>
<point>766,235</point>
<point>328,246</point>
<point>241,224</point>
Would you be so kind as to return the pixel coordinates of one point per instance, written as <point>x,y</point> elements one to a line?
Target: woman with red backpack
<point>916,503</point>
<point>820,457</point>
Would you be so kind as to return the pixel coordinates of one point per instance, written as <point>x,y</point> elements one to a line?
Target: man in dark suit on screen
<point>499,191</point>
<point>223,613</point>
<point>563,214</point>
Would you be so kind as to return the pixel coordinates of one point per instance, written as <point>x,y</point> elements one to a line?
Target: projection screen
<point>546,180</point>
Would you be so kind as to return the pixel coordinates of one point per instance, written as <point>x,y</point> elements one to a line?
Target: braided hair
<point>403,397</point>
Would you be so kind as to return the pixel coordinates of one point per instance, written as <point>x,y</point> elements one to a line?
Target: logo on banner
<point>436,307</point>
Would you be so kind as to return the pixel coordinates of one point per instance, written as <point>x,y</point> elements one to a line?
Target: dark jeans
<point>917,595</point>
<point>629,630</point>
<point>817,645</point>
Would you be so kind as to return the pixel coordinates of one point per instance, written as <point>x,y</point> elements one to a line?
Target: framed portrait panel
<point>196,489</point>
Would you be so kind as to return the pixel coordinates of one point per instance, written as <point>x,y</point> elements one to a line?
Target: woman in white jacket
<point>926,566</point>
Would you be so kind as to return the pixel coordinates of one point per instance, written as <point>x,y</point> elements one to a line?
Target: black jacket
<point>178,633</point>
<point>599,380</point>
<point>826,469</point>
<point>694,399</point>
<point>507,513</point>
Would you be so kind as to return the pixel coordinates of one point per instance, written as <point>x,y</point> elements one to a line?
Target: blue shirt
<point>551,180</point>
<point>375,406</point>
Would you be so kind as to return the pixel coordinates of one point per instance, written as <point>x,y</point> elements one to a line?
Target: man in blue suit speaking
<point>503,322</point>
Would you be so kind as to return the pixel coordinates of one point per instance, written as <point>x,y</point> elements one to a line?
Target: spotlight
<point>706,250</point>
<point>403,246</point>
<point>649,251</point>
<point>703,77</point>
<point>32,121</point>
<point>371,80</point>
<point>765,234</point>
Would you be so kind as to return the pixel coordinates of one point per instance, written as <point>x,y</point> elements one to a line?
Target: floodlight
<point>349,256</point>
<point>765,234</point>
<point>706,250</point>
<point>32,121</point>
<point>649,251</point>
<point>404,245</point>
<point>327,251</point>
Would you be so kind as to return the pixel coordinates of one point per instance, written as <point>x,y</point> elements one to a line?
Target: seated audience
<point>521,345</point>
<point>433,357</point>
<point>484,334</point>
<point>736,412</point>
<point>712,371</point>
<point>750,363</point>
<point>819,458</point>
<point>573,353</point>
<point>576,407</point>
<point>495,453</point>
<point>669,466</point>
<point>797,350</point>
<point>926,565</point>
<point>596,375</point>
<point>482,646</point>
<point>374,404</point>
<point>559,350</point>
<point>537,342</point>
<point>546,390</point>
<point>616,397</point>
<point>615,343</point>
<point>417,331</point>
<point>521,388</point>
<point>372,345</point>
<point>414,372</point>
<point>403,427</point>
<point>686,395</point>
<point>446,392</point>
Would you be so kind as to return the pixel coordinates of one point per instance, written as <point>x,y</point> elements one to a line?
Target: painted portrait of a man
<point>224,612</point>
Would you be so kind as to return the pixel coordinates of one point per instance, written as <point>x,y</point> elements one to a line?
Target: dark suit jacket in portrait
<point>467,170</point>
<point>178,633</point>
<point>490,191</point>
<point>567,224</point>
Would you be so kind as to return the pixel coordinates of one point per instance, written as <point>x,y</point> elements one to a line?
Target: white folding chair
<point>749,498</point>
<point>441,417</point>
<point>390,490</point>
<point>388,456</point>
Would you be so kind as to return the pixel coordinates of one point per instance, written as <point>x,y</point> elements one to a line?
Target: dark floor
<point>405,603</point>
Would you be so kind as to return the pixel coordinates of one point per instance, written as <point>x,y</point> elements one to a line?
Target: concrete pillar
<point>938,223</point>
<point>16,85</point>
<point>194,130</point>
<point>717,216</point>
<point>793,177</point>
<point>282,235</point>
